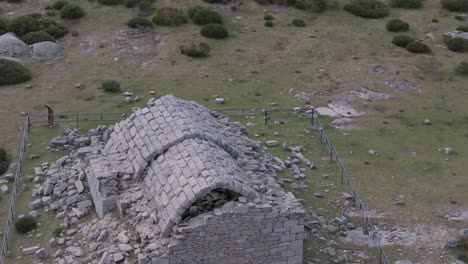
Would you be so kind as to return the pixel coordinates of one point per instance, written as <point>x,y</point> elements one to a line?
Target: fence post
<point>77,120</point>
<point>28,125</point>
<point>266,117</point>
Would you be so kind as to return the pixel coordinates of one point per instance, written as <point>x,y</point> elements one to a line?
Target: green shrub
<point>215,31</point>
<point>268,17</point>
<point>58,5</point>
<point>367,8</point>
<point>110,2</point>
<point>196,51</point>
<point>111,86</point>
<point>457,44</point>
<point>57,231</point>
<point>402,40</point>
<point>169,16</point>
<point>269,23</point>
<point>459,18</point>
<point>131,3</point>
<point>75,33</point>
<point>463,257</point>
<point>14,1</point>
<point>298,22</point>
<point>455,5</point>
<point>3,26</point>
<point>397,25</point>
<point>463,28</point>
<point>406,3</point>
<point>35,22</point>
<point>461,69</point>
<point>213,1</point>
<point>72,11</point>
<point>4,160</point>
<point>321,5</point>
<point>12,72</point>
<point>435,20</point>
<point>37,36</point>
<point>146,7</point>
<point>203,16</point>
<point>418,47</point>
<point>140,22</point>
<point>26,224</point>
<point>192,10</point>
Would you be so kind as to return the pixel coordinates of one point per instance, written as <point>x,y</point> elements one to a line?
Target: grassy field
<point>336,53</point>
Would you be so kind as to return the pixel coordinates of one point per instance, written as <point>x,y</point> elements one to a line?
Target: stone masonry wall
<point>247,234</point>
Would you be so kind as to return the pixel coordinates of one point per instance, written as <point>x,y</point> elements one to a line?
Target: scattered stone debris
<point>219,100</point>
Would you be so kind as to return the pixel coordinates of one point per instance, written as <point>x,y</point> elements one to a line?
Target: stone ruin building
<point>189,185</point>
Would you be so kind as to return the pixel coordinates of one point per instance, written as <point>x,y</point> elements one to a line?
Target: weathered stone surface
<point>13,47</point>
<point>47,49</point>
<point>42,253</point>
<point>75,251</point>
<point>30,250</point>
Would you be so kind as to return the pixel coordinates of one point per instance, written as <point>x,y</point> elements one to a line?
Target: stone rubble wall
<point>247,234</point>
<point>103,186</point>
<point>186,173</point>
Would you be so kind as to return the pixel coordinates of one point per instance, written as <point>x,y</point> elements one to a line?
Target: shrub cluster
<point>72,11</point>
<point>139,22</point>
<point>319,5</point>
<point>111,86</point>
<point>367,8</point>
<point>26,224</point>
<point>197,51</point>
<point>406,3</point>
<point>397,25</point>
<point>298,22</point>
<point>12,72</point>
<point>4,161</point>
<point>417,47</point>
<point>455,5</point>
<point>35,22</point>
<point>3,26</point>
<point>268,17</point>
<point>14,1</point>
<point>463,28</point>
<point>58,5</point>
<point>204,16</point>
<point>269,23</point>
<point>457,44</point>
<point>461,69</point>
<point>402,40</point>
<point>215,31</point>
<point>37,36</point>
<point>110,2</point>
<point>169,16</point>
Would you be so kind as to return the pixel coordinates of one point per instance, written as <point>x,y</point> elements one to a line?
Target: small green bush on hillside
<point>463,28</point>
<point>192,10</point>
<point>367,8</point>
<point>197,51</point>
<point>4,160</point>
<point>37,36</point>
<point>205,16</point>
<point>146,7</point>
<point>26,224</point>
<point>169,16</point>
<point>418,47</point>
<point>269,23</point>
<point>215,31</point>
<point>406,3</point>
<point>35,22</point>
<point>3,26</point>
<point>457,44</point>
<point>461,69</point>
<point>268,17</point>
<point>131,3</point>
<point>111,86</point>
<point>140,22</point>
<point>110,2</point>
<point>14,1</point>
<point>455,5</point>
<point>397,25</point>
<point>13,73</point>
<point>298,22</point>
<point>213,1</point>
<point>459,18</point>
<point>58,5</point>
<point>402,40</point>
<point>72,11</point>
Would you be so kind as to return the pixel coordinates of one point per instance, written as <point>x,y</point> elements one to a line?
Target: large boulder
<point>47,49</point>
<point>11,46</point>
<point>457,35</point>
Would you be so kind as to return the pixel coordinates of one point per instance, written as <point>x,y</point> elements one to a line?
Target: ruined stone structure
<point>201,190</point>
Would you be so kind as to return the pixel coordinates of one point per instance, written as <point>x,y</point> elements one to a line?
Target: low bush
<point>402,40</point>
<point>204,16</point>
<point>35,22</point>
<point>12,72</point>
<point>269,23</point>
<point>26,224</point>
<point>57,232</point>
<point>268,17</point>
<point>455,5</point>
<point>461,69</point>
<point>463,28</point>
<point>14,1</point>
<point>139,22</point>
<point>4,161</point>
<point>213,1</point>
<point>418,47</point>
<point>169,16</point>
<point>197,51</point>
<point>215,31</point>
<point>298,22</point>
<point>131,3</point>
<point>459,18</point>
<point>406,3</point>
<point>457,44</point>
<point>37,36</point>
<point>72,11</point>
<point>192,10</point>
<point>3,26</point>
<point>435,20</point>
<point>397,25</point>
<point>146,7</point>
<point>463,257</point>
<point>58,5</point>
<point>367,8</point>
<point>110,2</point>
<point>111,86</point>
